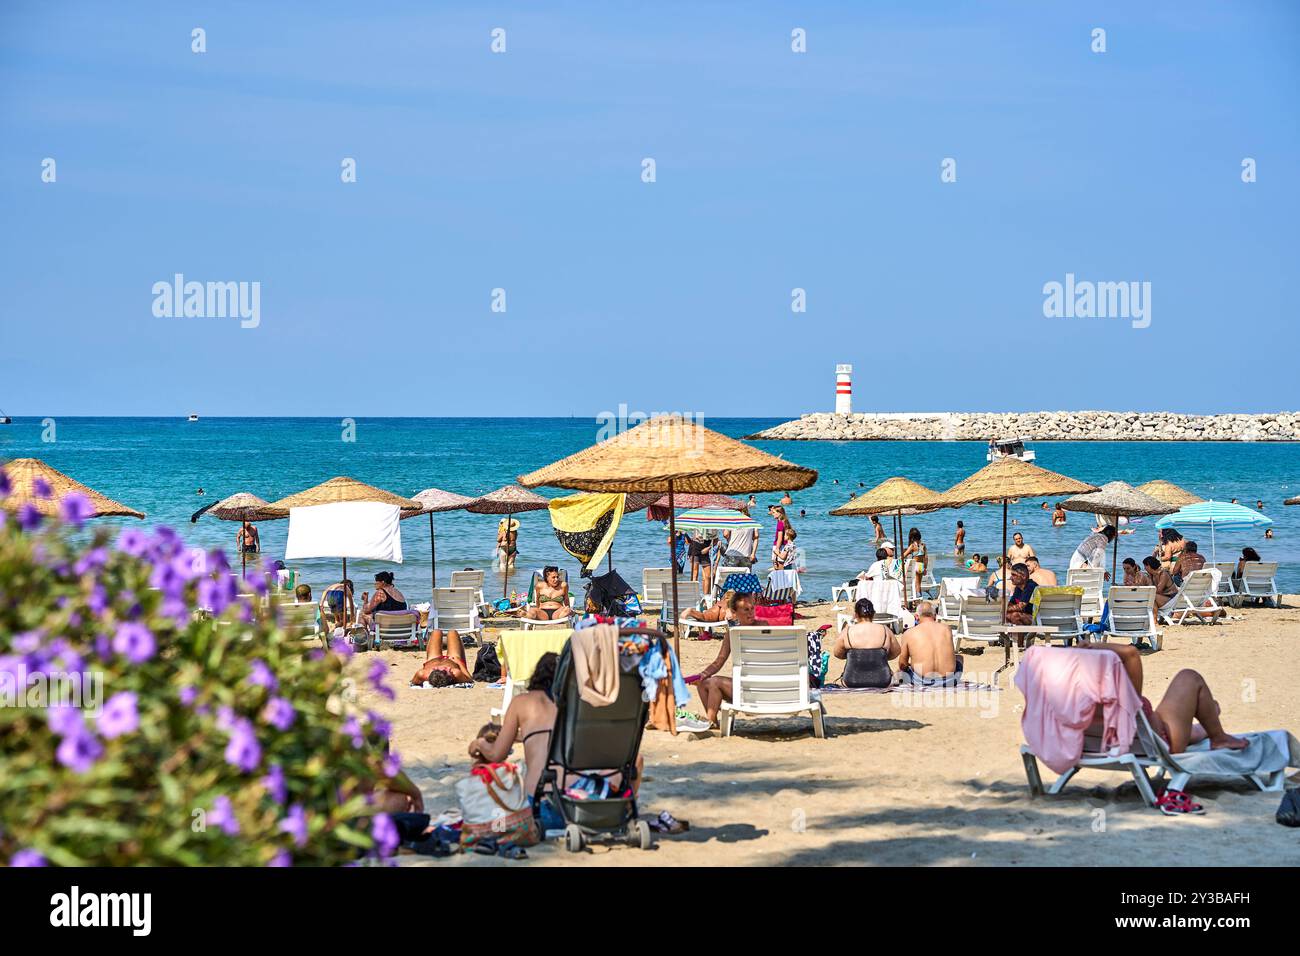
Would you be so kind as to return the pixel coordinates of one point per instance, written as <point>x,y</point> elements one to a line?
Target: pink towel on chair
<point>1063,688</point>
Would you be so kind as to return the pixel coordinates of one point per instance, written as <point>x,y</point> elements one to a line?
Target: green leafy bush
<point>218,741</point>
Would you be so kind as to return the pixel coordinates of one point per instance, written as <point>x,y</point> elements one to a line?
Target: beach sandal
<point>512,851</point>
<point>1175,803</point>
<point>667,823</point>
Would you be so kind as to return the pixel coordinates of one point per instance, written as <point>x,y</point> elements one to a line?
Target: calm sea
<point>156,465</point>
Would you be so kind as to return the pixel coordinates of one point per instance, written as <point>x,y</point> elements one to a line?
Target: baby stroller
<point>598,742</point>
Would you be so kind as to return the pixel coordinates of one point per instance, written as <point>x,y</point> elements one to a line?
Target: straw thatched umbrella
<point>1008,478</point>
<point>896,497</point>
<point>671,454</point>
<point>1292,501</point>
<point>434,501</point>
<point>1169,493</point>
<point>507,500</point>
<point>1117,499</point>
<point>243,507</point>
<point>23,475</point>
<point>341,489</point>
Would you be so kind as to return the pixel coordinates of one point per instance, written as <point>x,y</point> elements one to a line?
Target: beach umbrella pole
<point>672,565</point>
<point>433,559</point>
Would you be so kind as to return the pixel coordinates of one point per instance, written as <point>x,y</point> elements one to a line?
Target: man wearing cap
<point>886,565</point>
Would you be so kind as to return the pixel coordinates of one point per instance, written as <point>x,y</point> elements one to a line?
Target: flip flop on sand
<point>1175,803</point>
<point>667,823</point>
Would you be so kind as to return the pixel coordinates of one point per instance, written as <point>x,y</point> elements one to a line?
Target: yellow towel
<point>1060,589</point>
<point>585,524</point>
<point>520,651</point>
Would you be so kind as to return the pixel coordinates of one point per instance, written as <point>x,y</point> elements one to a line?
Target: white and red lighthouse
<point>843,389</point>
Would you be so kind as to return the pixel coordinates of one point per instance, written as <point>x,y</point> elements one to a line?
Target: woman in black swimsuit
<point>387,598</point>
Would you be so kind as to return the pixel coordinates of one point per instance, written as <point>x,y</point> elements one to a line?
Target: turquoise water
<point>155,465</point>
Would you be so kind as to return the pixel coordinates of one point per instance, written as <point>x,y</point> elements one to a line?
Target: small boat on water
<point>193,417</point>
<point>1009,448</point>
<point>5,419</point>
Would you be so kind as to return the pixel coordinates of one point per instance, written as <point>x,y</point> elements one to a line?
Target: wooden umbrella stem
<point>672,566</point>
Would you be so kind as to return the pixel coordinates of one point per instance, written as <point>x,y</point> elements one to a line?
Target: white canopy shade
<point>345,529</point>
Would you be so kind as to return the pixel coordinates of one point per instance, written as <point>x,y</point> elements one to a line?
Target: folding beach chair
<point>397,629</point>
<point>456,609</point>
<point>719,579</point>
<point>979,620</point>
<point>1091,580</point>
<point>651,578</point>
<point>1227,591</point>
<point>1195,599</point>
<point>529,624</point>
<point>469,579</point>
<point>519,652</point>
<point>1147,751</point>
<point>689,597</point>
<point>769,677</point>
<point>1257,582</point>
<point>1133,615</point>
<point>1060,608</point>
<point>298,620</point>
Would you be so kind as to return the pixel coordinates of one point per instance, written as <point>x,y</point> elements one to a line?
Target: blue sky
<point>522,171</point>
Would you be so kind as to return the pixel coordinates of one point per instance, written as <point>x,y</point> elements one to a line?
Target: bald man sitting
<point>926,657</point>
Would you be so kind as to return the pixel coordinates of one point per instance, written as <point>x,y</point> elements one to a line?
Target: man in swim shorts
<point>926,657</point>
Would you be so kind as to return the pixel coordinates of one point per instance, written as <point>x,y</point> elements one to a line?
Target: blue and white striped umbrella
<point>1218,516</point>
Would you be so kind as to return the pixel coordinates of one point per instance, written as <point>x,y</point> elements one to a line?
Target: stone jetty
<point>1036,426</point>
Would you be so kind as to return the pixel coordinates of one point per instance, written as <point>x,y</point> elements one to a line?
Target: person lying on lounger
<point>720,611</point>
<point>925,654</point>
<point>552,596</point>
<point>442,669</point>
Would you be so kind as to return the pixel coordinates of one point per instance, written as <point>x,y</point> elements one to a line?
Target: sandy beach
<point>900,780</point>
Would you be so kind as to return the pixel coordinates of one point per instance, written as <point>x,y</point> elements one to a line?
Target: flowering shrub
<point>199,740</point>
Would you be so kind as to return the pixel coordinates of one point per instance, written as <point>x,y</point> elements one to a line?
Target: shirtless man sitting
<point>1039,574</point>
<point>925,656</point>
<point>443,670</point>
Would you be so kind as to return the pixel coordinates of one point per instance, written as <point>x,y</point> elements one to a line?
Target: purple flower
<point>392,764</point>
<point>29,517</point>
<point>279,713</point>
<point>217,593</point>
<point>188,695</point>
<point>243,750</point>
<point>64,720</point>
<point>382,727</point>
<point>79,751</point>
<point>27,642</point>
<point>378,672</point>
<point>352,728</point>
<point>384,832</point>
<point>274,783</point>
<point>6,485</point>
<point>41,488</point>
<point>343,647</point>
<point>27,857</point>
<point>98,600</point>
<point>133,542</point>
<point>281,858</point>
<point>119,716</point>
<point>222,815</point>
<point>103,646</point>
<point>92,560</point>
<point>260,675</point>
<point>134,642</point>
<point>295,824</point>
<point>75,509</point>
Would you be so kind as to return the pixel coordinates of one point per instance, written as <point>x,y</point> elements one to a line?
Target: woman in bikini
<point>507,541</point>
<point>442,669</point>
<point>552,596</point>
<point>387,598</point>
<point>1058,516</point>
<point>915,549</point>
<point>714,615</point>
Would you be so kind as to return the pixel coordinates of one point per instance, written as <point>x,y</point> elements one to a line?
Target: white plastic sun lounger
<point>769,677</point>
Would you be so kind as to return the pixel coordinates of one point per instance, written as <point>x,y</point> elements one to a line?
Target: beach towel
<point>521,650</point>
<point>595,663</point>
<point>742,584</point>
<point>1036,598</point>
<point>1063,688</point>
<point>585,524</point>
<point>1266,754</point>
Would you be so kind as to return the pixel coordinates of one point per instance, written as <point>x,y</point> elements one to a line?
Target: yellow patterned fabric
<point>1039,592</point>
<point>585,524</point>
